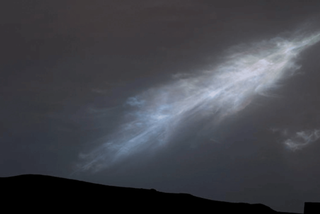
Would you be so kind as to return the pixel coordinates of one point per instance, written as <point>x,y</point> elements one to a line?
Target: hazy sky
<point>224,94</point>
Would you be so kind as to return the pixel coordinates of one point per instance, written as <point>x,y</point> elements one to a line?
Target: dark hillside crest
<point>43,193</point>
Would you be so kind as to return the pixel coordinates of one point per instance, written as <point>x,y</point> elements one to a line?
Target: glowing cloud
<point>302,139</point>
<point>157,113</point>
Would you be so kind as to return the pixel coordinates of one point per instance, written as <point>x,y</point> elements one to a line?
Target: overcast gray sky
<point>72,71</point>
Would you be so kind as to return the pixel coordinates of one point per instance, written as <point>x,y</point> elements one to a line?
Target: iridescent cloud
<point>156,113</point>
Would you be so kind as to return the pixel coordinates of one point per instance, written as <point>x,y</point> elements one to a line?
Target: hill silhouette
<point>42,193</point>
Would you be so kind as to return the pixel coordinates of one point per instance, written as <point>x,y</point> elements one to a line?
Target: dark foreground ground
<point>39,193</point>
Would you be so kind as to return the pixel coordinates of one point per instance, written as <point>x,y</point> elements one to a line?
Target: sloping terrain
<point>40,193</point>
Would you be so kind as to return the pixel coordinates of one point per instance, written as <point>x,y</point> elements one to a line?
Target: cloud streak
<point>155,115</point>
<point>301,139</point>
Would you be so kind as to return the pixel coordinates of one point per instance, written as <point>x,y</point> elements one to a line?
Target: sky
<point>218,99</point>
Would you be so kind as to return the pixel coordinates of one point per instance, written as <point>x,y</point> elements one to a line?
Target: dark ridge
<point>41,193</point>
<point>311,208</point>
